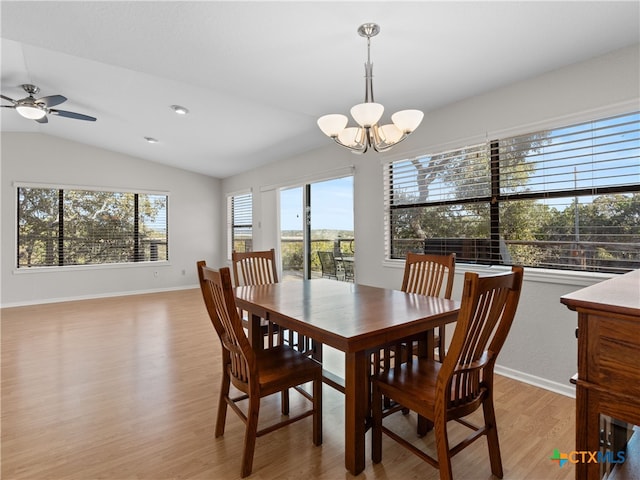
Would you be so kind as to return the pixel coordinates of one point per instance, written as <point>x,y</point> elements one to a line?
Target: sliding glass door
<point>316,223</point>
<point>292,233</point>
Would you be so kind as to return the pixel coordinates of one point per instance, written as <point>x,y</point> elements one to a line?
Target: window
<point>566,198</point>
<point>317,217</point>
<point>239,223</point>
<point>59,227</point>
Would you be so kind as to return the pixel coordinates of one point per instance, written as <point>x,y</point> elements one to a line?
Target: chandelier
<point>368,114</point>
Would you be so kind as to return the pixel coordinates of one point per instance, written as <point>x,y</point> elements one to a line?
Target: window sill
<point>542,275</point>
<point>100,266</point>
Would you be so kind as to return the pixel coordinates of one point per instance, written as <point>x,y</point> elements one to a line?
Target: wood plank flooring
<point>127,387</point>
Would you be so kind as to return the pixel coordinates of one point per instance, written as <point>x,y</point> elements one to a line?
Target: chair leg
<point>424,425</point>
<point>222,405</point>
<point>317,411</point>
<point>250,435</point>
<point>441,339</point>
<point>376,430</point>
<point>284,400</point>
<point>492,437</point>
<point>442,446</point>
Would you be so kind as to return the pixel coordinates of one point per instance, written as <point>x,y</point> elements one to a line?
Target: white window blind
<point>585,158</point>
<point>570,196</point>
<point>454,175</point>
<point>435,200</point>
<point>561,198</point>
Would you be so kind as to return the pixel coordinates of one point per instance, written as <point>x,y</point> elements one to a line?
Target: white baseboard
<point>567,390</point>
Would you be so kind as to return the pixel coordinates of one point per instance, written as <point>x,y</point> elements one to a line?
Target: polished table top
<point>352,318</point>
<point>346,316</point>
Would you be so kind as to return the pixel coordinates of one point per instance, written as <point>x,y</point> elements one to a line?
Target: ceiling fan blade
<point>8,106</point>
<point>52,100</point>
<point>77,116</point>
<point>42,120</point>
<point>7,98</point>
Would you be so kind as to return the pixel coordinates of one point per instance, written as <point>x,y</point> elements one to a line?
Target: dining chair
<point>256,268</point>
<point>256,373</point>
<point>259,268</point>
<point>328,265</point>
<point>424,274</point>
<point>430,275</point>
<point>463,382</point>
<point>348,267</point>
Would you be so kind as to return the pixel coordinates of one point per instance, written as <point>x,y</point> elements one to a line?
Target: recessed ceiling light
<point>179,109</point>
<point>151,139</point>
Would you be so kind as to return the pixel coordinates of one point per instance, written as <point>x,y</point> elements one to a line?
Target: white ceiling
<point>256,75</point>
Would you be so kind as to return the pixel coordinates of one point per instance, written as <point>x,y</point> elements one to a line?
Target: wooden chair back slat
<point>254,268</point>
<point>257,268</point>
<point>430,275</point>
<point>427,274</point>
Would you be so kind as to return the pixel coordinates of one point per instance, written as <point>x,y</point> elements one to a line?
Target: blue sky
<point>331,206</point>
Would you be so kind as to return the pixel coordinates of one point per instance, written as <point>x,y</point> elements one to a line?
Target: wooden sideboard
<point>608,380</point>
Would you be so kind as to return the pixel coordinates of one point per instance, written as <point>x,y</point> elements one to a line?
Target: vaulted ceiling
<point>257,75</point>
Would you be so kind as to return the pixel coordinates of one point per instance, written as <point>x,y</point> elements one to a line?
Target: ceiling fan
<point>38,108</point>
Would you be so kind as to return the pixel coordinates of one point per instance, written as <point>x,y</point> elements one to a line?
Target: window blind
<point>588,158</point>
<point>59,227</point>
<point>240,223</point>
<point>567,197</point>
<point>435,200</point>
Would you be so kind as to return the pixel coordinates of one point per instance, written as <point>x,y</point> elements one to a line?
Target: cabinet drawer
<point>615,355</point>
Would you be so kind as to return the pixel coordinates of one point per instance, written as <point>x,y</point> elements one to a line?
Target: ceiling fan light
<point>31,112</point>
<point>390,134</point>
<point>367,114</point>
<point>332,124</point>
<point>352,137</point>
<point>407,120</point>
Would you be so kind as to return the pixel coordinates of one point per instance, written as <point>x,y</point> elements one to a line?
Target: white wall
<point>195,219</point>
<point>542,347</point>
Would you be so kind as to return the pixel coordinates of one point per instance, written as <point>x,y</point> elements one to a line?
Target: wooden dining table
<point>352,318</point>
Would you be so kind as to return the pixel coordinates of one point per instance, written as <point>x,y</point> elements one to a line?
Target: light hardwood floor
<point>127,387</point>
